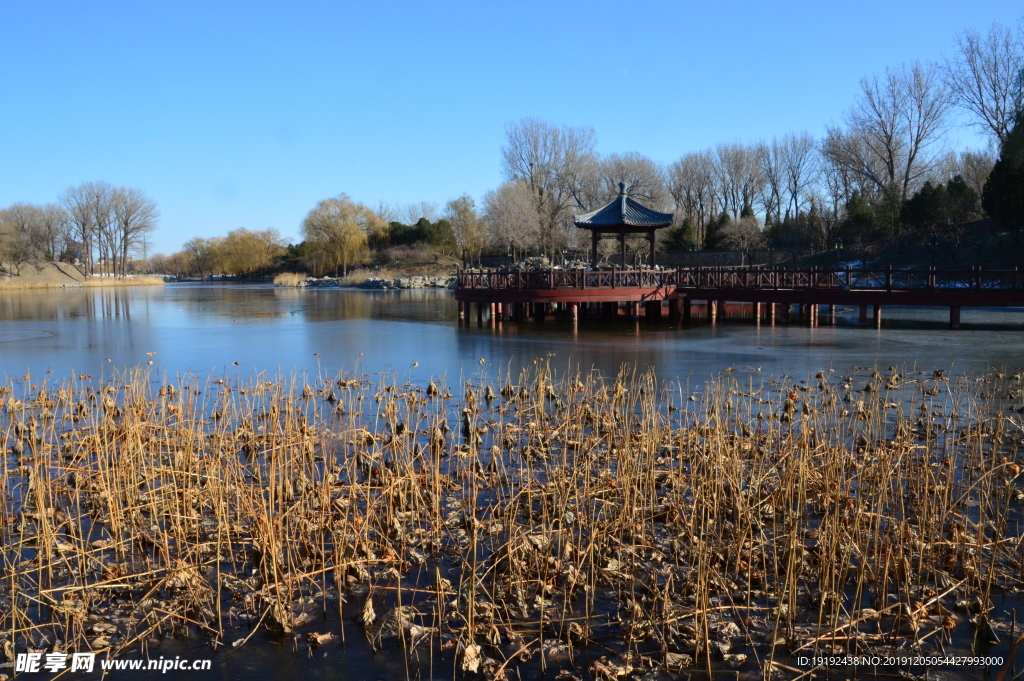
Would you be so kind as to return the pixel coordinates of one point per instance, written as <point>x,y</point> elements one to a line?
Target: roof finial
<point>622,188</point>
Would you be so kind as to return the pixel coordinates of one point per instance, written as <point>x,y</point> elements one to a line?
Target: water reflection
<point>209,327</point>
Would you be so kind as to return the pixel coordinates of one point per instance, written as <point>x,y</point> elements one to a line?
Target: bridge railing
<point>849,279</point>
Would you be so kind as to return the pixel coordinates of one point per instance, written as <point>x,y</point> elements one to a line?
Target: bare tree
<point>986,77</point>
<point>740,176</point>
<point>550,161</point>
<point>743,235</point>
<point>470,235</point>
<point>691,182</point>
<point>135,216</point>
<point>975,167</point>
<point>512,217</point>
<point>892,129</point>
<point>52,231</point>
<point>200,256</point>
<point>411,213</point>
<point>78,205</point>
<point>773,167</point>
<point>644,178</point>
<point>801,159</point>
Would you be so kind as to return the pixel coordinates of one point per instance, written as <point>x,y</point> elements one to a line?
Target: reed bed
<point>290,279</point>
<point>592,528</point>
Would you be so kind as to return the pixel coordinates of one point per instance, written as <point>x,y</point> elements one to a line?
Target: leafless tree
<point>975,166</point>
<point>892,129</point>
<point>644,179</point>
<point>200,256</point>
<point>412,213</point>
<point>135,216</point>
<point>691,182</point>
<point>52,231</point>
<point>512,217</point>
<point>78,205</point>
<point>739,174</point>
<point>773,191</point>
<point>550,160</point>
<point>801,170</point>
<point>986,77</point>
<point>743,235</point>
<point>470,235</point>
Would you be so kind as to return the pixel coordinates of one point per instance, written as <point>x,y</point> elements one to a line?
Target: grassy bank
<point>625,525</point>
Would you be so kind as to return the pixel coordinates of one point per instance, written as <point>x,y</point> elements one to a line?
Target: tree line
<point>882,178</point>
<point>96,225</point>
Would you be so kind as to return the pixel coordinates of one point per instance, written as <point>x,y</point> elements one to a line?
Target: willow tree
<point>336,232</point>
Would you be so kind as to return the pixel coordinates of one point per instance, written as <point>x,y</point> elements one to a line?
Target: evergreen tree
<point>1003,195</point>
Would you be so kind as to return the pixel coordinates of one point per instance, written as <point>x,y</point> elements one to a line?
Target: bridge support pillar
<point>462,310</point>
<point>954,317</point>
<point>876,316</point>
<point>831,315</point>
<point>720,308</point>
<point>713,311</point>
<point>653,309</point>
<point>635,309</point>
<point>575,312</point>
<point>687,310</point>
<point>771,313</point>
<point>610,310</point>
<point>480,313</point>
<point>674,307</point>
<point>757,312</point>
<point>863,314</point>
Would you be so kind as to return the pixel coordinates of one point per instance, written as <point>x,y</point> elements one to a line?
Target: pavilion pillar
<point>650,237</point>
<point>594,238</point>
<point>622,248</point>
<point>954,317</point>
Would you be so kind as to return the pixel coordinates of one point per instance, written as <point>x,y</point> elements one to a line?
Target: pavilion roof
<point>623,214</point>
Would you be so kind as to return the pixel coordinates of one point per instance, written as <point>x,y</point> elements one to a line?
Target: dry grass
<point>358,276</point>
<point>530,515</point>
<point>290,279</point>
<point>87,283</point>
<point>126,281</point>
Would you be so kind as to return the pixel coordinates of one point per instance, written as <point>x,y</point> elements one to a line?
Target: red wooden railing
<point>848,279</point>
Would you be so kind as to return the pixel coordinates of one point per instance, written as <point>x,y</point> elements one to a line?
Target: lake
<point>215,329</point>
<point>208,327</point>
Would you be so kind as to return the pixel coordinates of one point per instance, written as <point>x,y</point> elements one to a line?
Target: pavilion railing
<point>848,279</point>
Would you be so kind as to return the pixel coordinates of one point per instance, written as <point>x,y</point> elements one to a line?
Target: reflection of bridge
<point>760,294</point>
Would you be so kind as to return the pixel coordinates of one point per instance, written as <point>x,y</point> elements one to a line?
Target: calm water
<point>208,328</point>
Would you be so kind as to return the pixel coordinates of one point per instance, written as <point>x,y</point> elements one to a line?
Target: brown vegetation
<point>623,524</point>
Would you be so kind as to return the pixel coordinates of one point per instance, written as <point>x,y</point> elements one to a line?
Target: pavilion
<point>621,217</point>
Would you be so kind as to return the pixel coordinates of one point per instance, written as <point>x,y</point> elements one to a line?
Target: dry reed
<point>629,525</point>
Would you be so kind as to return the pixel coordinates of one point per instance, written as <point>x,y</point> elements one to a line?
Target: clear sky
<point>245,114</point>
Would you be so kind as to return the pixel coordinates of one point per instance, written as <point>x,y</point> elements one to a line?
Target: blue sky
<point>246,114</point>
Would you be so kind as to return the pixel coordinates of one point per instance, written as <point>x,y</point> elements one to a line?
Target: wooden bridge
<point>758,293</point>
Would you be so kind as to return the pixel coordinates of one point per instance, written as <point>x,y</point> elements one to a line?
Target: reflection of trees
<point>57,304</point>
<point>239,303</point>
<point>411,305</point>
